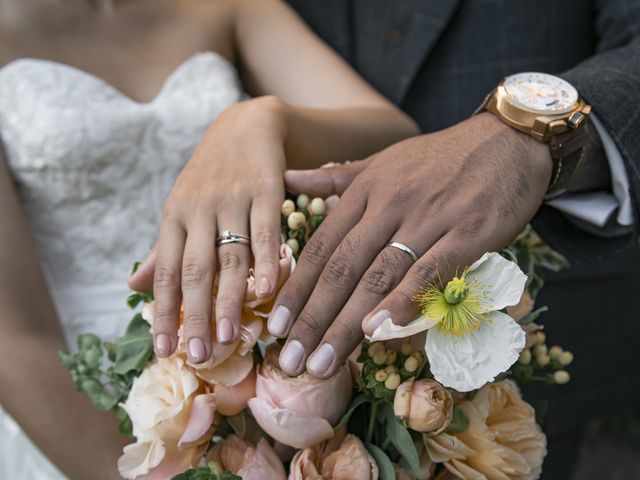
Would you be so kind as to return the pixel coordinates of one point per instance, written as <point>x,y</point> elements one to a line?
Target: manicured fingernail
<point>196,350</point>
<point>264,287</point>
<point>375,321</point>
<point>225,330</point>
<point>291,357</point>
<point>279,321</point>
<point>163,344</point>
<point>321,360</point>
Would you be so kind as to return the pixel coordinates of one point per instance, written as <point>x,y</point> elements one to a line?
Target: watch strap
<point>567,150</point>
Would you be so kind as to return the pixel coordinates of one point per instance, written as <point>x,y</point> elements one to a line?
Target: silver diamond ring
<point>230,237</point>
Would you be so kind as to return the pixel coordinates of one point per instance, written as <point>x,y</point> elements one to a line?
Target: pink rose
<point>424,404</point>
<point>340,458</point>
<point>237,456</point>
<point>299,411</point>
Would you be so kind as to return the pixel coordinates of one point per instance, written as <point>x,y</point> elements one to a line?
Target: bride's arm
<point>38,393</point>
<point>333,114</point>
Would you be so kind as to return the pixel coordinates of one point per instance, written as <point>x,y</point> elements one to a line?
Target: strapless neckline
<point>178,72</point>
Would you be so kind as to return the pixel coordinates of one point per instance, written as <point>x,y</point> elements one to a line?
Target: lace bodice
<point>93,168</point>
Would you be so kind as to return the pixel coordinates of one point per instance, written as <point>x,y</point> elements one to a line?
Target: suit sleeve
<point>610,82</point>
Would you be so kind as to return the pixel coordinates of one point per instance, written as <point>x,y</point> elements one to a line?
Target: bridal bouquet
<point>438,398</point>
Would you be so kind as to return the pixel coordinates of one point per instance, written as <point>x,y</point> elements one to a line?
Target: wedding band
<point>404,248</point>
<point>229,237</point>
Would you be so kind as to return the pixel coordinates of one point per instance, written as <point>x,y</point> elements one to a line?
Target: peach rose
<point>523,308</point>
<point>251,463</point>
<point>299,411</point>
<point>230,364</point>
<point>339,458</point>
<point>424,404</point>
<point>502,439</point>
<point>171,414</point>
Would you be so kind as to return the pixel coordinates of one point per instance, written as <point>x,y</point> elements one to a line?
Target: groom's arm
<point>610,82</point>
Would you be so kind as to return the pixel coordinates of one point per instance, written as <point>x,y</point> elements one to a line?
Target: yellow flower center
<point>457,305</point>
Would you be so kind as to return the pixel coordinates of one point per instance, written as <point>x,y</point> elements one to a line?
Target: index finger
<point>294,294</point>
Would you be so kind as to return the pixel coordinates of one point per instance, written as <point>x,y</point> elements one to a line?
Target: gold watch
<point>550,110</point>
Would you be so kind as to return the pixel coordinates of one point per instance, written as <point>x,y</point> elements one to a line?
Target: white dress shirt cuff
<point>597,208</point>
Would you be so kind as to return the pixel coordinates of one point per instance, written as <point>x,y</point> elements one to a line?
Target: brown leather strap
<point>566,153</point>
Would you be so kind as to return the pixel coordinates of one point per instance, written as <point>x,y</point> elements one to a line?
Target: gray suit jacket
<point>438,59</point>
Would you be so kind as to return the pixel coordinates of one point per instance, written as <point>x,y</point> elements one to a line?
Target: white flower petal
<point>388,330</point>
<point>501,279</point>
<point>469,361</point>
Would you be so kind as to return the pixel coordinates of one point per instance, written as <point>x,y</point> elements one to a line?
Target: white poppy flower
<point>469,341</point>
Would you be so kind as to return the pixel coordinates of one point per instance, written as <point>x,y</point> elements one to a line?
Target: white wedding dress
<point>92,169</point>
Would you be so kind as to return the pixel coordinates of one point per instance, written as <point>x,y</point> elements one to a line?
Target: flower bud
<point>380,358</point>
<point>555,352</point>
<point>296,220</point>
<point>424,404</point>
<point>411,364</point>
<point>392,382</point>
<point>565,358</point>
<point>294,245</point>
<point>405,349</point>
<point>288,207</point>
<point>525,357</point>
<point>420,356</point>
<point>302,201</point>
<point>391,369</point>
<point>561,377</point>
<point>375,348</point>
<point>540,337</point>
<point>540,350</point>
<point>381,376</point>
<point>317,207</point>
<point>543,360</point>
<point>391,357</point>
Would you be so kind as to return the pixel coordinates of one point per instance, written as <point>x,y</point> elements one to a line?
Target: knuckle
<point>163,318</point>
<point>193,274</point>
<point>310,323</point>
<point>165,277</point>
<point>227,303</point>
<point>426,273</point>
<point>469,225</point>
<point>196,320</point>
<point>229,261</point>
<point>377,282</point>
<point>266,237</point>
<point>316,251</point>
<point>173,209</point>
<point>339,273</point>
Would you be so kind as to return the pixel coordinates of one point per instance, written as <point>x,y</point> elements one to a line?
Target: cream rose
<point>251,463</point>
<point>171,414</point>
<point>299,411</point>
<point>424,404</point>
<point>340,458</point>
<point>502,438</point>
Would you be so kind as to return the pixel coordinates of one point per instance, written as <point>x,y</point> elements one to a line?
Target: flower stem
<point>372,421</point>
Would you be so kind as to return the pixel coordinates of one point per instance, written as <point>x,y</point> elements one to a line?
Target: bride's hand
<point>234,181</point>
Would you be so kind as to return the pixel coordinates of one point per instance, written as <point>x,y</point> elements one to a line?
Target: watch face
<point>540,92</point>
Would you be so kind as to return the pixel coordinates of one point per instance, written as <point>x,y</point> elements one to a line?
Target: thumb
<point>142,279</point>
<point>323,182</point>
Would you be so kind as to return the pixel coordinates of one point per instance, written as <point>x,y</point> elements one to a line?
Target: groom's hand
<point>450,196</point>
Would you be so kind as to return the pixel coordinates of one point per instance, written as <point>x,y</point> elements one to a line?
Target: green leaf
<point>387,472</point>
<point>87,340</point>
<point>67,359</point>
<point>533,316</point>
<point>459,422</point>
<point>400,438</point>
<point>134,348</point>
<point>355,403</point>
